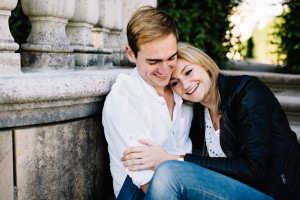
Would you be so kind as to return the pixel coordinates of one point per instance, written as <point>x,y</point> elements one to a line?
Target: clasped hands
<point>139,158</point>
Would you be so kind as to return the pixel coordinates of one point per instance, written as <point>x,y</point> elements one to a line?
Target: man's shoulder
<point>127,89</point>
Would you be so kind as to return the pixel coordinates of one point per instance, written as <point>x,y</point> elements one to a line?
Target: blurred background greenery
<point>207,25</point>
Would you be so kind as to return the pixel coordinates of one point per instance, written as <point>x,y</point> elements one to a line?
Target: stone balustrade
<point>52,144</point>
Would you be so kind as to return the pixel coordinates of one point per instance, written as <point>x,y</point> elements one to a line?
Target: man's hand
<point>139,158</point>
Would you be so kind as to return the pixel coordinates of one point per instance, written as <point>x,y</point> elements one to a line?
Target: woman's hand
<point>139,158</point>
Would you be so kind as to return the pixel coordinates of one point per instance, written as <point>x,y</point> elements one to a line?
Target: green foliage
<point>19,25</point>
<point>204,24</point>
<point>288,36</point>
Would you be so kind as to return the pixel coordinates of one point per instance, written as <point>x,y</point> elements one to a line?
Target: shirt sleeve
<point>126,120</point>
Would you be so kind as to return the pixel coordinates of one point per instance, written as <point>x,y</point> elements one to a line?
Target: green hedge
<point>204,24</point>
<point>288,33</point>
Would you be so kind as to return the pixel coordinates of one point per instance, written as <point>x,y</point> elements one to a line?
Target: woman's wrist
<point>180,158</point>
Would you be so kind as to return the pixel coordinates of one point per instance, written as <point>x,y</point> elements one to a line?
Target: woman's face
<point>190,81</point>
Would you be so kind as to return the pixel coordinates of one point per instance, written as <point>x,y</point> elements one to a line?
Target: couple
<point>233,143</point>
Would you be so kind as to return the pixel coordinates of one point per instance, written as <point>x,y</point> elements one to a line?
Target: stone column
<point>9,61</point>
<point>47,46</point>
<point>104,25</point>
<point>79,34</point>
<point>114,34</point>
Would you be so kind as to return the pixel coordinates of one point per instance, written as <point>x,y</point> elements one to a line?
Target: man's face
<point>156,60</point>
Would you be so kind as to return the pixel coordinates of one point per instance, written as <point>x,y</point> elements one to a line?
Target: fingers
<point>134,162</point>
<point>131,156</point>
<point>147,142</point>
<point>135,149</point>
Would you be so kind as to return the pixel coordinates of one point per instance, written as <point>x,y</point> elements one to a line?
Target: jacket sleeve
<point>123,126</point>
<point>251,107</point>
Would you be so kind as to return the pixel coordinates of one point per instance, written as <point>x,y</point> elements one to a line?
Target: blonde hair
<point>147,24</point>
<point>195,56</point>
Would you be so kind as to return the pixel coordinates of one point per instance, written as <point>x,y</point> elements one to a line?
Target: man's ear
<point>130,54</point>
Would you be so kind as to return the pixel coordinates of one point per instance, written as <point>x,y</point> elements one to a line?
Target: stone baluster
<point>114,34</point>
<point>47,46</point>
<point>104,25</point>
<point>9,60</point>
<point>79,34</point>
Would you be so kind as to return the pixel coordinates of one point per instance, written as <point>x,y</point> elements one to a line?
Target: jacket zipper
<point>282,176</point>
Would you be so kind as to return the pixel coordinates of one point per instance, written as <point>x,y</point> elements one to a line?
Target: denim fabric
<point>129,191</point>
<point>183,180</point>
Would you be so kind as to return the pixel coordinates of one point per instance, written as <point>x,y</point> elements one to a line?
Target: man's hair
<point>148,24</point>
<point>195,56</point>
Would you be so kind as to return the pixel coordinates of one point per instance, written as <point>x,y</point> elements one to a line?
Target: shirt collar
<point>153,93</point>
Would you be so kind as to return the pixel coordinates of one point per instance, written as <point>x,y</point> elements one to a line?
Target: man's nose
<point>164,68</point>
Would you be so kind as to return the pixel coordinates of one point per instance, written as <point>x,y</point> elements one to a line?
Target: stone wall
<point>52,144</point>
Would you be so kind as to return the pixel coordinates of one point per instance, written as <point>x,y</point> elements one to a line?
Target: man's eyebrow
<point>173,55</point>
<point>158,60</point>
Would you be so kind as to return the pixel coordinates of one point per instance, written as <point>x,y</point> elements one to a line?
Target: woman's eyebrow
<point>184,68</point>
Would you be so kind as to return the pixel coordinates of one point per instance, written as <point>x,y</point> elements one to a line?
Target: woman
<point>240,135</point>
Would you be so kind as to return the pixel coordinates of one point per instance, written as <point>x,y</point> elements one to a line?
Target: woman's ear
<point>130,54</point>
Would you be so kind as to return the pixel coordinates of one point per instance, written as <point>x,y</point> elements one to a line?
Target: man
<point>141,105</point>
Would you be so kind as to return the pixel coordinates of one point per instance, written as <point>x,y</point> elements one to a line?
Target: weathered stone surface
<point>41,61</point>
<point>6,165</point>
<point>38,98</point>
<point>79,33</point>
<point>63,161</point>
<point>47,45</point>
<point>10,63</point>
<point>7,43</point>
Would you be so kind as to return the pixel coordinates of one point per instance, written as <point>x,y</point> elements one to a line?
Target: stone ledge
<point>52,86</point>
<point>39,98</point>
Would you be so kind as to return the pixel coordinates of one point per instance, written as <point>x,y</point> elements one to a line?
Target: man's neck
<point>167,94</point>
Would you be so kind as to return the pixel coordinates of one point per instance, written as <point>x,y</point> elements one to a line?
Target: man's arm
<point>124,123</point>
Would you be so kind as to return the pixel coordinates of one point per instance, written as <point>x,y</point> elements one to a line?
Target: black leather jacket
<point>262,151</point>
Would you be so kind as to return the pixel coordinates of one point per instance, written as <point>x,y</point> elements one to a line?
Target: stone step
<point>278,83</point>
<point>291,106</point>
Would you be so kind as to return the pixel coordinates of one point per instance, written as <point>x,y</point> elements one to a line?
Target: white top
<point>133,110</point>
<point>212,138</point>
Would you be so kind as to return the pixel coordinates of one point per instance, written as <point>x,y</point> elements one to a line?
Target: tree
<point>287,36</point>
<point>204,24</point>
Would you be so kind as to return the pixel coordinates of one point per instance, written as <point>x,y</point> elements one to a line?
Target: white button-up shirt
<point>133,110</point>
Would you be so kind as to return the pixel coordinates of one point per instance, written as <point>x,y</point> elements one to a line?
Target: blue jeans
<point>183,180</point>
<point>129,191</point>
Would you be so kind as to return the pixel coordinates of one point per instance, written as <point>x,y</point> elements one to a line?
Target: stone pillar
<point>9,61</point>
<point>79,34</point>
<point>114,34</point>
<point>104,25</point>
<point>47,46</point>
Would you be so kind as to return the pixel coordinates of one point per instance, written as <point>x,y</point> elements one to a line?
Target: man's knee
<point>168,169</point>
